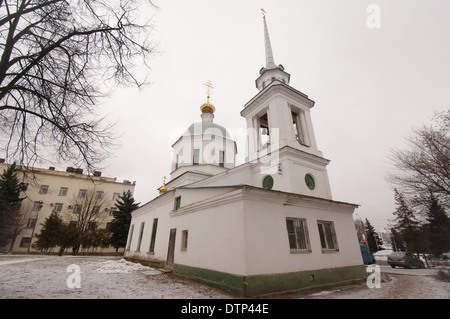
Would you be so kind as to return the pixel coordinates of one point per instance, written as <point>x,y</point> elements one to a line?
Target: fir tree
<point>52,233</point>
<point>10,204</point>
<point>406,226</point>
<point>372,237</point>
<point>122,219</point>
<point>437,228</point>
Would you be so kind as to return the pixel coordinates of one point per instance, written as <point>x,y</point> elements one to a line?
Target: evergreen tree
<point>437,228</point>
<point>122,219</point>
<point>373,239</point>
<point>52,233</point>
<point>10,204</point>
<point>407,227</point>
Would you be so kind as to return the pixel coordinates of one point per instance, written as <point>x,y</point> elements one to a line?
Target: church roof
<point>201,128</point>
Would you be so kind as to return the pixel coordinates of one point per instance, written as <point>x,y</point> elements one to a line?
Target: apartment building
<point>65,192</point>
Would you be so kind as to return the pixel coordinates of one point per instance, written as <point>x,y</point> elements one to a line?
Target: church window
<point>310,181</point>
<point>177,203</point>
<point>184,240</point>
<point>267,182</point>
<point>196,159</point>
<point>141,232</point>
<point>327,236</point>
<point>177,159</point>
<point>297,230</point>
<point>153,238</point>
<point>221,158</point>
<point>130,237</point>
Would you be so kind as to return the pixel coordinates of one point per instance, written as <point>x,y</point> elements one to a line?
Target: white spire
<point>270,63</point>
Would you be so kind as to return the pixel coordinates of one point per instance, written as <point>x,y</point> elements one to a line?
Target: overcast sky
<point>371,86</point>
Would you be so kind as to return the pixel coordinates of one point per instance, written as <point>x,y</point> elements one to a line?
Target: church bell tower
<point>279,125</point>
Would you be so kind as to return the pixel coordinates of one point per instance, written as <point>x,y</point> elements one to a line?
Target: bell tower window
<point>264,131</point>
<point>299,127</point>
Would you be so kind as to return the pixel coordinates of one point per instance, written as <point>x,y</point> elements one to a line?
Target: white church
<point>266,226</point>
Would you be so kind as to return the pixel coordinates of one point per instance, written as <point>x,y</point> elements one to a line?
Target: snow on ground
<point>102,277</point>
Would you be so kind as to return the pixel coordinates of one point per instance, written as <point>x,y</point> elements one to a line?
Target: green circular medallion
<point>310,182</point>
<point>267,182</point>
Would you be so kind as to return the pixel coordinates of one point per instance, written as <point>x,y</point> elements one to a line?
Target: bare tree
<point>89,210</point>
<point>57,59</point>
<point>424,168</point>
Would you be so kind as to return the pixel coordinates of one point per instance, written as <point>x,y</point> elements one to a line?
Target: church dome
<point>207,107</point>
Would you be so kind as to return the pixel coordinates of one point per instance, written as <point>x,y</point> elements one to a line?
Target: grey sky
<point>371,86</point>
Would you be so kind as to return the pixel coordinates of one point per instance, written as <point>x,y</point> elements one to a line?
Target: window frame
<point>325,236</point>
<point>82,193</point>
<point>57,207</point>
<point>177,203</point>
<point>301,229</point>
<point>43,189</point>
<point>184,239</point>
<point>151,249</point>
<point>63,191</point>
<point>196,156</point>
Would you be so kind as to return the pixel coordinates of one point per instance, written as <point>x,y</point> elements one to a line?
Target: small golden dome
<point>207,107</point>
<point>163,188</point>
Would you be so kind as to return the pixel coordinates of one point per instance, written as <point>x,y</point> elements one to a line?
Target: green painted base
<point>251,286</point>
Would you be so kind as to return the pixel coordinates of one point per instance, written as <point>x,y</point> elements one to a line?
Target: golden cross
<point>263,12</point>
<point>209,87</point>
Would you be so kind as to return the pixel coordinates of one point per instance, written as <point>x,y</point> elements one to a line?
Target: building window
<point>63,191</point>
<point>31,223</point>
<point>25,242</point>
<point>116,196</point>
<point>130,237</point>
<point>99,194</point>
<point>96,210</point>
<point>108,226</point>
<point>82,193</point>
<point>297,230</point>
<point>77,208</point>
<point>112,210</point>
<point>327,236</point>
<point>92,226</point>
<point>141,232</point>
<point>37,205</point>
<point>221,158</point>
<point>177,203</point>
<point>177,160</point>
<point>153,238</point>
<point>184,240</point>
<point>196,158</point>
<point>57,207</point>
<point>43,189</point>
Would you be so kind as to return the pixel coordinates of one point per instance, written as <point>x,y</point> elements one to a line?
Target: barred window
<point>298,236</point>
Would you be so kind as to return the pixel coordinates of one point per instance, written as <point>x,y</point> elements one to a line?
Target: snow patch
<point>125,267</point>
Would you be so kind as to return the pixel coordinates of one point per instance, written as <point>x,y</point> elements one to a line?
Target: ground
<point>55,277</point>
